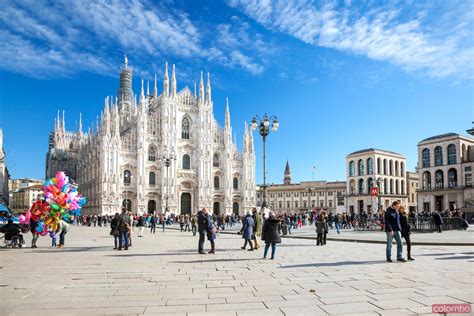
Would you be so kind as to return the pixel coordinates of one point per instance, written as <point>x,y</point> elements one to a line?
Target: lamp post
<point>379,198</point>
<point>264,130</point>
<point>166,158</point>
<point>309,189</point>
<point>127,183</point>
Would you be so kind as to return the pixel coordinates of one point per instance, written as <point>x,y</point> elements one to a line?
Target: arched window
<point>215,160</point>
<point>425,157</point>
<point>385,186</point>
<point>127,177</point>
<point>216,182</point>
<point>426,180</point>
<point>378,165</point>
<point>151,154</point>
<point>370,184</point>
<point>396,169</point>
<point>385,166</point>
<point>151,178</point>
<point>360,167</point>
<point>185,128</point>
<point>439,179</point>
<point>235,183</point>
<point>396,187</point>
<point>186,162</point>
<point>370,166</point>
<point>402,169</point>
<point>402,184</point>
<point>352,185</point>
<point>390,167</point>
<point>452,178</point>
<point>361,186</point>
<point>451,154</point>
<point>391,186</point>
<point>351,168</point>
<point>438,154</point>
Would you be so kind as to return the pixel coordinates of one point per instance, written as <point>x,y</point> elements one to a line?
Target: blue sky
<point>341,76</point>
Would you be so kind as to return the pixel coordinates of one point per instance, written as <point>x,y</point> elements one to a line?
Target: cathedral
<point>121,162</point>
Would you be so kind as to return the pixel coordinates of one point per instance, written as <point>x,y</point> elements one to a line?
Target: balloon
<point>22,219</point>
<point>39,229</point>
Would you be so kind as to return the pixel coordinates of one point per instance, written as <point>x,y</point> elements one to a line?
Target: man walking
<point>438,221</point>
<point>194,224</point>
<point>258,227</point>
<point>153,224</point>
<point>247,231</point>
<point>203,227</point>
<point>393,229</point>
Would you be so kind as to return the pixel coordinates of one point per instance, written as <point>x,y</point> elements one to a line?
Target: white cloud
<point>61,38</point>
<point>442,49</point>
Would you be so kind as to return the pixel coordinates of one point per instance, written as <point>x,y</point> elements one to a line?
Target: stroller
<point>12,236</point>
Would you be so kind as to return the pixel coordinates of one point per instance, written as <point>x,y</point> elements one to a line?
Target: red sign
<point>374,191</point>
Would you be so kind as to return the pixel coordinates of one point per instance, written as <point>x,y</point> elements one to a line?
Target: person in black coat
<point>393,230</point>
<point>114,229</point>
<point>270,234</point>
<point>438,221</point>
<point>406,230</point>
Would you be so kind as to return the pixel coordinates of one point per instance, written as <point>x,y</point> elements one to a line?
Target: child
<point>52,234</point>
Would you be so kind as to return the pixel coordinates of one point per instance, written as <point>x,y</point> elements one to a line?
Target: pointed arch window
<point>216,183</point>
<point>186,162</point>
<point>151,179</point>
<point>215,160</point>
<point>151,154</point>
<point>185,128</point>
<point>236,184</point>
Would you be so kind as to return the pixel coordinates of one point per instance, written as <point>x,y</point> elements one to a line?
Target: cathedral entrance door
<point>185,203</point>
<point>235,208</point>
<point>151,206</point>
<point>217,208</point>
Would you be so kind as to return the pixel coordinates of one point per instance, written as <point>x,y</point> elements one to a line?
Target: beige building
<point>22,199</point>
<point>22,183</point>
<point>291,197</point>
<point>370,168</point>
<point>445,165</point>
<point>412,194</point>
<point>4,176</point>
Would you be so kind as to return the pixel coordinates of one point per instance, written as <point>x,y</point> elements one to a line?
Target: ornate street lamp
<point>379,198</point>
<point>264,130</point>
<point>167,158</point>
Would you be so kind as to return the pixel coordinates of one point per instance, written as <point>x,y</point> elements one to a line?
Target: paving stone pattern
<point>163,274</point>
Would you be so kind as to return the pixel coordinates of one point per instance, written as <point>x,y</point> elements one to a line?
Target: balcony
<point>440,189</point>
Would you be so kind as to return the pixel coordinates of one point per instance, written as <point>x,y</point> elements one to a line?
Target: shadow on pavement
<point>334,264</point>
<point>445,254</point>
<point>455,258</point>
<point>216,260</point>
<point>72,249</point>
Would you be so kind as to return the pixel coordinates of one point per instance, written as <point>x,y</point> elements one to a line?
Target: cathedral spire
<point>195,90</point>
<point>97,124</point>
<point>201,90</point>
<point>142,94</point>
<point>147,87</point>
<point>64,123</point>
<point>58,122</point>
<point>246,138</point>
<point>80,123</point>
<point>208,89</point>
<point>155,88</point>
<point>173,82</point>
<point>165,81</point>
<point>227,113</point>
<point>287,177</point>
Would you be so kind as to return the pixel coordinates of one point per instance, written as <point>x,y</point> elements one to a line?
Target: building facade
<point>4,175</point>
<point>445,168</point>
<point>294,197</point>
<point>412,191</point>
<point>370,168</point>
<point>22,199</point>
<point>119,164</point>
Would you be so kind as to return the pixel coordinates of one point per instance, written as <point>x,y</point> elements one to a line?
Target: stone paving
<point>162,274</point>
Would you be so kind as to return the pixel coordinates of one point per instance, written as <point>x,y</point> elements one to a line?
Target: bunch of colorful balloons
<point>61,201</point>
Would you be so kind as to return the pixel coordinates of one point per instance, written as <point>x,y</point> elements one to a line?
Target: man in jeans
<point>203,227</point>
<point>393,229</point>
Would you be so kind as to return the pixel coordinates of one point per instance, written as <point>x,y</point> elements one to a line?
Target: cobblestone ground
<point>162,274</point>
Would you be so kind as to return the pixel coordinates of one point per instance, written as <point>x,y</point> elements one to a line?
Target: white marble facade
<point>120,160</point>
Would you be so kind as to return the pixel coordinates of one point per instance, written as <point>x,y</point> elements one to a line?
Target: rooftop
<point>440,136</point>
<point>368,150</point>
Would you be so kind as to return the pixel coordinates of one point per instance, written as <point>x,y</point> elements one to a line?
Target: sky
<point>340,75</point>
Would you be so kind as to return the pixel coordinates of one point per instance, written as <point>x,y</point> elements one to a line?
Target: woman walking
<point>406,230</point>
<point>248,225</point>
<point>270,234</point>
<point>141,225</point>
<point>33,225</point>
<point>114,229</point>
<point>320,229</point>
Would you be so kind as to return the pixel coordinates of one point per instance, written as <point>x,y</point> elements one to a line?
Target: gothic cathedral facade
<point>121,162</point>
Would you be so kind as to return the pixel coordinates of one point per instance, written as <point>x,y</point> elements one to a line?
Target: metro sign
<point>374,191</point>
